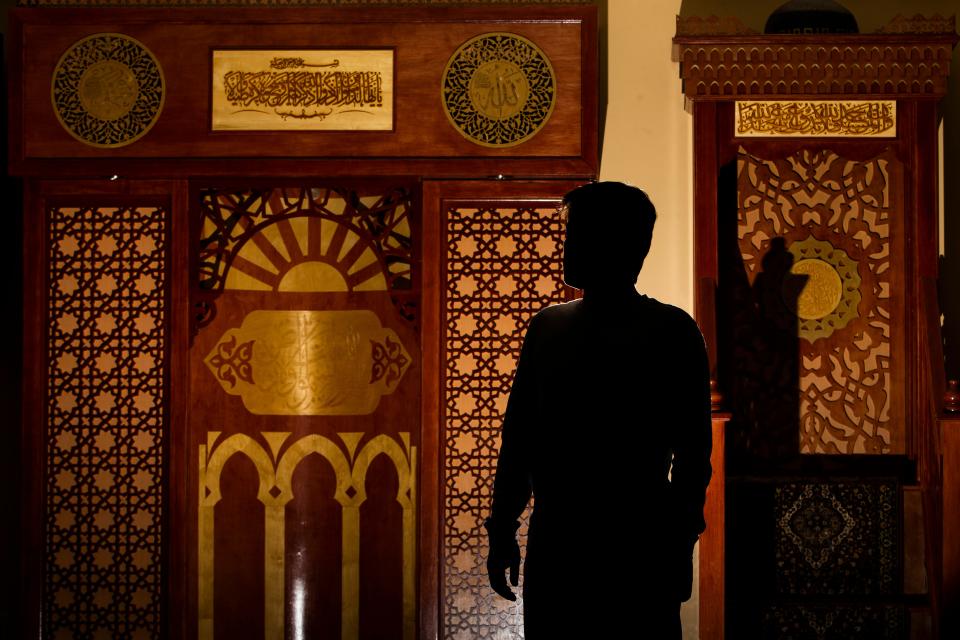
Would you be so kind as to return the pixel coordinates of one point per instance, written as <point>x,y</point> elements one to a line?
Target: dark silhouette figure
<point>611,393</point>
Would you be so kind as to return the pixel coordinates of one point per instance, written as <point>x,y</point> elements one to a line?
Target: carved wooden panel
<point>738,66</point>
<point>106,341</point>
<point>552,121</point>
<point>503,264</point>
<point>304,425</point>
<point>817,314</point>
<point>325,238</point>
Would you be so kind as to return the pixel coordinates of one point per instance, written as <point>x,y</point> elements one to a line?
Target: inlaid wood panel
<point>106,320</point>
<point>503,264</point>
<point>819,311</point>
<point>304,426</point>
<point>422,41</point>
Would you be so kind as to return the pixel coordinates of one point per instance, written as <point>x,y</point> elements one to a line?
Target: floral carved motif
<point>817,338</point>
<point>232,361</point>
<point>389,361</point>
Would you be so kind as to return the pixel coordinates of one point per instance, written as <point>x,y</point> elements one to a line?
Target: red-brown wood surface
<point>424,40</point>
<point>40,196</point>
<point>705,167</point>
<point>712,540</point>
<point>429,478</point>
<point>439,198</point>
<point>338,559</point>
<point>177,462</point>
<point>950,603</point>
<point>34,414</point>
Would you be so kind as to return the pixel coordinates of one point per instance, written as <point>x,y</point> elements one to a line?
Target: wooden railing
<point>712,542</point>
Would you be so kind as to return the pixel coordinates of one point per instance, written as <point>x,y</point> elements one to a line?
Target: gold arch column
<point>347,476</point>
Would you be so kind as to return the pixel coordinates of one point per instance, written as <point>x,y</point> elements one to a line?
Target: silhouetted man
<point>611,393</point>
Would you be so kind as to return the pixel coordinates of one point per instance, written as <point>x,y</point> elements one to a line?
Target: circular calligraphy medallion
<point>822,288</point>
<point>107,90</point>
<point>498,89</point>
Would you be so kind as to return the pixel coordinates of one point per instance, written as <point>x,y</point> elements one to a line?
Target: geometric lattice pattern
<point>815,237</point>
<point>837,539</point>
<point>502,266</point>
<point>105,359</point>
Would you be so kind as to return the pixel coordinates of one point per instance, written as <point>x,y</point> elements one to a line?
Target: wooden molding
<point>892,65</point>
<point>273,3</point>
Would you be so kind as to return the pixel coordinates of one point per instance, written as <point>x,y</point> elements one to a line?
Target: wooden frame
<point>180,145</point>
<point>723,62</point>
<point>566,148</point>
<point>33,425</point>
<point>437,195</point>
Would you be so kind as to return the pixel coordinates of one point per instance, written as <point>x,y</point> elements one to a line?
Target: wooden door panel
<point>498,247</point>
<point>306,368</point>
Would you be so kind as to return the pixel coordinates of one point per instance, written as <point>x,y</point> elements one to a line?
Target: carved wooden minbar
<point>815,207</point>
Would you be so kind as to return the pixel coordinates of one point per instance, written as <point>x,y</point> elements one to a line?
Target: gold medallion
<point>107,90</point>
<point>498,89</point>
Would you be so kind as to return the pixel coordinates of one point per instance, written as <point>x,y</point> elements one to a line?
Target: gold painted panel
<point>309,362</point>
<point>300,90</point>
<point>816,118</point>
<point>306,239</point>
<point>275,465</point>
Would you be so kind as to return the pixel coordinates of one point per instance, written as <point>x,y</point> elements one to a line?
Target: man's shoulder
<point>558,311</point>
<point>554,316</point>
<point>672,318</point>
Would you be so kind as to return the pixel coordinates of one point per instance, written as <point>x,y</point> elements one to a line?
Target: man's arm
<point>511,487</point>
<point>691,434</point>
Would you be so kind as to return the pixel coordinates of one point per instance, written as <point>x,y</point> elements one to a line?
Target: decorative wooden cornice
<point>896,63</point>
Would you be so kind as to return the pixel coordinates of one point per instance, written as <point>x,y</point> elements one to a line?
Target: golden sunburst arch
<point>308,240</point>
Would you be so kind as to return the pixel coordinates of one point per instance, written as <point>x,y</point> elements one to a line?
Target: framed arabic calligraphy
<point>816,118</point>
<point>302,90</point>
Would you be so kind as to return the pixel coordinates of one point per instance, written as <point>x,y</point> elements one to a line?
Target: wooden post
<point>950,447</point>
<point>712,542</point>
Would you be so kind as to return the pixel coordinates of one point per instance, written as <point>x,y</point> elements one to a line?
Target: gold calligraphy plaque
<point>315,89</point>
<point>816,118</point>
<point>309,362</point>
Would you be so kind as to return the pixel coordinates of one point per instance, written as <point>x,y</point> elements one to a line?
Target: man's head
<point>609,229</point>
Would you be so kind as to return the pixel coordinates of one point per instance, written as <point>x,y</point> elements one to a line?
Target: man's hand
<point>504,555</point>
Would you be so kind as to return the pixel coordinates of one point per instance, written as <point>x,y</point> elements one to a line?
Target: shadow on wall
<point>759,343</point>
